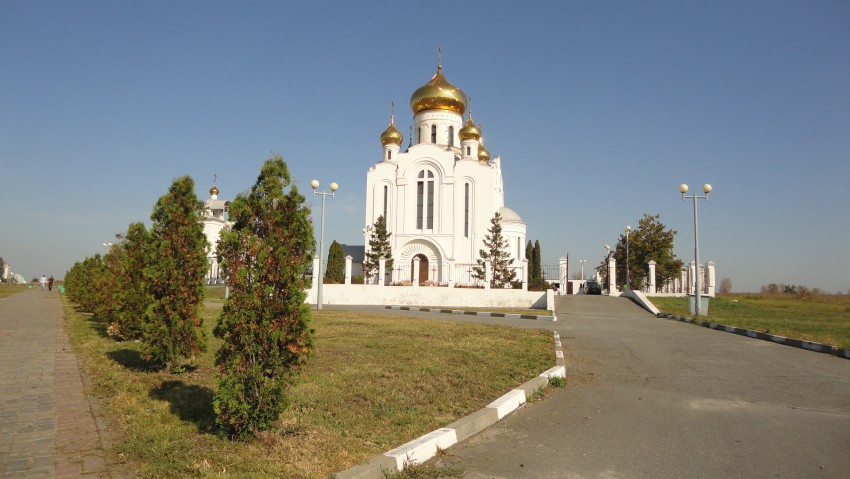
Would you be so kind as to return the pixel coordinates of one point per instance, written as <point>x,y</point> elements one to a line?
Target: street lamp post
<point>582,262</point>
<point>706,188</point>
<point>333,186</point>
<point>628,230</point>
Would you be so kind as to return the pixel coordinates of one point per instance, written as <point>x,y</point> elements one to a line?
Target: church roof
<point>509,215</point>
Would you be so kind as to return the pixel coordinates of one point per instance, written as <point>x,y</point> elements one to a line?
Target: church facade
<point>213,220</point>
<point>439,196</point>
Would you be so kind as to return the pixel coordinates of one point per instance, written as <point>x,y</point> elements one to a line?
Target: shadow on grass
<point>189,402</point>
<point>132,360</point>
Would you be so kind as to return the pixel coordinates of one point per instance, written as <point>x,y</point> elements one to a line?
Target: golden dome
<point>483,154</point>
<point>391,136</point>
<point>469,130</point>
<point>438,94</point>
<point>214,189</point>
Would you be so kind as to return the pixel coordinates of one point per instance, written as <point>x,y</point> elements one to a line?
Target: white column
<point>651,289</point>
<point>691,276</point>
<point>348,260</point>
<point>612,276</point>
<point>563,276</point>
<point>524,274</point>
<point>415,280</point>
<point>710,266</point>
<point>382,271</point>
<point>315,284</point>
<point>488,273</point>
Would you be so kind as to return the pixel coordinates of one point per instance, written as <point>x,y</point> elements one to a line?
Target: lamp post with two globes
<point>333,187</point>
<point>706,188</point>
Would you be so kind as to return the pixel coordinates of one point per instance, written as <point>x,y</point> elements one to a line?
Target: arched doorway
<point>423,268</point>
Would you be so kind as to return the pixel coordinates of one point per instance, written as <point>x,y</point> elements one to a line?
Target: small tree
<point>2,271</point>
<point>335,271</point>
<point>131,295</point>
<point>379,246</point>
<point>497,252</point>
<point>265,325</point>
<point>649,241</point>
<point>175,269</point>
<point>725,286</point>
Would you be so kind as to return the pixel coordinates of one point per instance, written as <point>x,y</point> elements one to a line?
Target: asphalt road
<point>651,398</point>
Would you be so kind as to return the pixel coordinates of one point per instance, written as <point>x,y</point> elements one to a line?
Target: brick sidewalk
<point>47,427</point>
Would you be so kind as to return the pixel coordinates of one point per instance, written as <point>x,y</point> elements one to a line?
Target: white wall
<point>438,297</point>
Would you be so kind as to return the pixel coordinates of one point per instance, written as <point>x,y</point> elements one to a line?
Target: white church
<point>439,196</point>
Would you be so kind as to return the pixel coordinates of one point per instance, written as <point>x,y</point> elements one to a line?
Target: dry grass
<point>820,318</point>
<point>374,382</point>
<point>7,290</point>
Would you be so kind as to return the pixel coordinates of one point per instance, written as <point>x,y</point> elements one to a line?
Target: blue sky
<point>599,111</point>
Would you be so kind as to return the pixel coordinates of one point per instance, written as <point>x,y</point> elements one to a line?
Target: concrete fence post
<point>488,273</point>
<point>348,260</point>
<point>415,280</point>
<point>382,271</point>
<point>651,288</point>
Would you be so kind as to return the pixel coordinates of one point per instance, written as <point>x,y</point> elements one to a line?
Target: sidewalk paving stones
<point>47,428</point>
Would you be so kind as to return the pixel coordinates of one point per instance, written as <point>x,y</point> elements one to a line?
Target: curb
<point>795,343</point>
<point>473,313</point>
<point>425,447</point>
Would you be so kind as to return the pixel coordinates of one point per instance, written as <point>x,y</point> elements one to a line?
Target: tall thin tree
<point>175,269</point>
<point>265,324</point>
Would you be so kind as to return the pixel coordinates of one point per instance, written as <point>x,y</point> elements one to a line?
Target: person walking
<point>50,283</point>
<point>42,281</point>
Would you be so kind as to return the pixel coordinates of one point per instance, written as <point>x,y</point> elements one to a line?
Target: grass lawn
<point>820,318</point>
<point>373,383</point>
<point>7,290</point>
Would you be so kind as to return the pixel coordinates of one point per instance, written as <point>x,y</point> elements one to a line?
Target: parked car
<point>592,287</point>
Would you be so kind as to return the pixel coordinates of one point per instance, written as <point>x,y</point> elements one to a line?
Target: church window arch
<point>425,200</point>
<point>451,136</point>
<point>468,151</point>
<point>466,202</point>
<point>434,134</point>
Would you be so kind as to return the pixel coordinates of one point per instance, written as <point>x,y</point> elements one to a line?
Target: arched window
<point>425,200</point>
<point>389,154</point>
<point>468,151</point>
<point>466,210</point>
<point>451,136</point>
<point>434,134</point>
<point>386,196</point>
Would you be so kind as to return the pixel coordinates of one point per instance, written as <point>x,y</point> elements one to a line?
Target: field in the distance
<point>823,318</point>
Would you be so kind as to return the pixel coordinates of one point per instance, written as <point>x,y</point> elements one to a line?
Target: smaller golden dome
<point>469,130</point>
<point>483,154</point>
<point>391,136</point>
<point>214,189</point>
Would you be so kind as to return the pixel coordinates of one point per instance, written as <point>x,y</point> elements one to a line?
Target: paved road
<point>650,398</point>
<point>47,428</point>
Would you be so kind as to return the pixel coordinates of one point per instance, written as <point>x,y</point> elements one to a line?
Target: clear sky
<point>599,111</point>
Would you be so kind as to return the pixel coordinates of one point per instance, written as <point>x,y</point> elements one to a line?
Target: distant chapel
<point>439,196</point>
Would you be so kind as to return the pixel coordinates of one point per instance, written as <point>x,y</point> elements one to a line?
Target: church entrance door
<point>423,268</point>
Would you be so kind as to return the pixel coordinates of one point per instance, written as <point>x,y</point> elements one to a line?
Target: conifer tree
<point>497,253</point>
<point>379,245</point>
<point>335,272</point>
<point>265,324</point>
<point>131,295</point>
<point>175,269</point>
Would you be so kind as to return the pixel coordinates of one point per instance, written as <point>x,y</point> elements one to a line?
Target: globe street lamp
<point>315,185</point>
<point>582,262</point>
<point>628,230</point>
<point>706,188</point>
